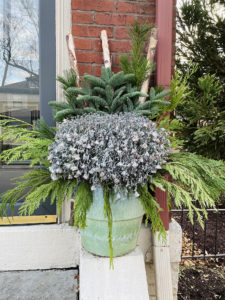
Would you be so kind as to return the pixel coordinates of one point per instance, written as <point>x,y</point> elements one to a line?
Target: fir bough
<point>155,105</point>
<point>71,107</point>
<point>109,94</point>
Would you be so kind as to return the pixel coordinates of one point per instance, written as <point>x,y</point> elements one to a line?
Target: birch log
<point>72,56</point>
<point>105,48</point>
<point>150,57</point>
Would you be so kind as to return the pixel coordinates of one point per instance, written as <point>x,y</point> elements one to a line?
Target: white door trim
<point>63,27</point>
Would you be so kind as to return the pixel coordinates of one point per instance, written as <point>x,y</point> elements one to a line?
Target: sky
<point>220,9</point>
<point>24,37</point>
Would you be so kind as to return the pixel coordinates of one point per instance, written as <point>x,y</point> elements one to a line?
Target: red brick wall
<point>89,17</point>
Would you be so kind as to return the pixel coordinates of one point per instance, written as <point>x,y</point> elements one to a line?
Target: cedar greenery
<point>151,208</point>
<point>197,182</point>
<point>33,141</point>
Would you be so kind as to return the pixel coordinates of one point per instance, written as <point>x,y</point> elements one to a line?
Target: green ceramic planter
<point>127,213</point>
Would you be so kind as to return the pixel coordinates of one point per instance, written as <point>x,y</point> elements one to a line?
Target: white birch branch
<point>72,56</point>
<point>105,48</point>
<point>150,57</point>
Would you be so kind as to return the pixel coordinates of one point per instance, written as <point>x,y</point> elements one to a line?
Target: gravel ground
<point>39,285</point>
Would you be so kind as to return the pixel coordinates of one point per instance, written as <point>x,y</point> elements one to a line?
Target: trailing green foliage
<point>24,186</point>
<point>33,188</point>
<point>45,132</point>
<point>57,191</point>
<point>151,208</point>
<point>136,62</point>
<point>108,194</point>
<point>83,201</point>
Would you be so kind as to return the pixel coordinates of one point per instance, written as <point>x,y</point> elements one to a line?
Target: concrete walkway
<point>38,285</point>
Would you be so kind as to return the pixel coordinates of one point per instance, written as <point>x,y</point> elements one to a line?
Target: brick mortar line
<point>98,38</point>
<point>88,63</point>
<point>110,12</point>
<point>94,51</point>
<point>133,1</point>
<point>116,13</point>
<point>98,52</point>
<point>138,2</point>
<point>84,50</point>
<point>100,25</point>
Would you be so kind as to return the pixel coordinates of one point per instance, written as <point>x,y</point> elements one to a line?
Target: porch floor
<point>38,285</point>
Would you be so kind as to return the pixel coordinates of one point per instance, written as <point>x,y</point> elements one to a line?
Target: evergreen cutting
<point>136,62</point>
<point>111,93</point>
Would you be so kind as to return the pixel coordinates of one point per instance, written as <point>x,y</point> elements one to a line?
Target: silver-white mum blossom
<point>122,149</point>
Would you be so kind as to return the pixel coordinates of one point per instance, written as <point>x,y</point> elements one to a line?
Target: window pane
<point>19,78</point>
<point>19,59</point>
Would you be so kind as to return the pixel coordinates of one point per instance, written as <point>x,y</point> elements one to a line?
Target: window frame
<point>54,24</point>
